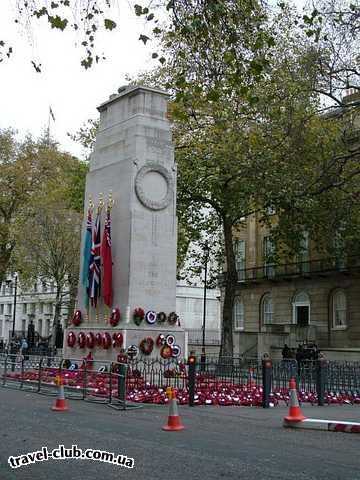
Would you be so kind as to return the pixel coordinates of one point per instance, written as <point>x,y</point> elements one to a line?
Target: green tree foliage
<point>248,128</point>
<point>41,203</point>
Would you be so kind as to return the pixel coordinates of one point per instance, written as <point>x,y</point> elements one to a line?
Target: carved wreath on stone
<point>141,194</point>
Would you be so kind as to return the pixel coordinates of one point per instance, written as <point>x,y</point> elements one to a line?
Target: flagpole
<point>99,209</point>
<point>91,209</point>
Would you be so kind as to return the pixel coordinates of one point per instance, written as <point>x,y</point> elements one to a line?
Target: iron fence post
<point>320,380</point>
<point>40,373</point>
<point>191,378</point>
<point>266,379</point>
<point>122,383</point>
<point>5,369</point>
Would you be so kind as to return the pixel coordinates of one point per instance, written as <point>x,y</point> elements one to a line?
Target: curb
<point>327,425</point>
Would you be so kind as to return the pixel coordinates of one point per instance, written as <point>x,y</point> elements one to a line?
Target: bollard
<point>266,380</point>
<point>191,378</point>
<point>320,379</point>
<point>122,383</point>
<point>5,370</point>
<point>40,374</point>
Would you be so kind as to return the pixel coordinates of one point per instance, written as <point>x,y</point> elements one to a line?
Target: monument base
<point>132,335</point>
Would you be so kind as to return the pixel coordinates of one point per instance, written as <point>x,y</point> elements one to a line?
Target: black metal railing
<point>297,269</point>
<point>224,381</point>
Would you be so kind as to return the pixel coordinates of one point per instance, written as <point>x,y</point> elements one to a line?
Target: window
<point>1,328</point>
<point>268,253</point>
<point>267,309</point>
<point>2,309</point>
<point>41,308</point>
<point>32,308</point>
<point>44,287</point>
<point>52,286</point>
<point>47,332</point>
<point>301,309</point>
<point>24,308</point>
<point>35,287</point>
<point>40,327</point>
<point>23,326</point>
<point>8,309</point>
<point>238,314</point>
<point>239,251</point>
<point>339,310</point>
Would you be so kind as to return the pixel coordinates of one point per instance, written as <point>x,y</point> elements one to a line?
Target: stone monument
<point>133,162</point>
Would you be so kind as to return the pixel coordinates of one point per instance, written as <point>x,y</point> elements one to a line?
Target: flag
<point>87,255</point>
<point>107,261</point>
<point>95,266</point>
<point>52,114</point>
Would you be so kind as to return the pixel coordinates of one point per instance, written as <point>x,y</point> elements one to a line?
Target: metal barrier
<point>144,380</point>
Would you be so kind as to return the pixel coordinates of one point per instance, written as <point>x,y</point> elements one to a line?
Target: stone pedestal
<point>134,160</point>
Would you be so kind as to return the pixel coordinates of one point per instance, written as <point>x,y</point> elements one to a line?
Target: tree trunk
<point>227,346</point>
<point>57,315</point>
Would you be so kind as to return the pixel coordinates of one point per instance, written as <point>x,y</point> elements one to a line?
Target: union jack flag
<point>95,264</point>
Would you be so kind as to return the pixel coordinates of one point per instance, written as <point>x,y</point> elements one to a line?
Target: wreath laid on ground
<point>138,315</point>
<point>176,351</point>
<point>122,357</point>
<point>146,345</point>
<point>115,317</point>
<point>71,339</point>
<point>118,339</point>
<point>132,351</point>
<point>106,340</point>
<point>166,351</point>
<point>82,340</point>
<point>77,318</point>
<point>151,317</point>
<point>90,340</point>
<point>161,317</point>
<point>173,318</point>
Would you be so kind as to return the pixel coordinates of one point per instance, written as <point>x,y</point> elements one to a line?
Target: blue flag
<point>87,256</point>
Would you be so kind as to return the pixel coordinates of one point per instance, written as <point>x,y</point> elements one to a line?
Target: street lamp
<point>8,283</point>
<point>203,354</point>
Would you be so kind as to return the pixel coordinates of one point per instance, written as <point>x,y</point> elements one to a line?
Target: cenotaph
<point>133,166</point>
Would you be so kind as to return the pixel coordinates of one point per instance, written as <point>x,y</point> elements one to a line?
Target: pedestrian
<point>286,352</point>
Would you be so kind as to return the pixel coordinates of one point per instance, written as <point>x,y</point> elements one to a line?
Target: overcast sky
<point>72,92</point>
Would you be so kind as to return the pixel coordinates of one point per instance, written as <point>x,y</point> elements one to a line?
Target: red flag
<point>107,261</point>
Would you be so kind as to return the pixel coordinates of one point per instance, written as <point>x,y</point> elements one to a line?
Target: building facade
<point>313,299</point>
<point>310,300</point>
<point>190,308</point>
<point>36,304</point>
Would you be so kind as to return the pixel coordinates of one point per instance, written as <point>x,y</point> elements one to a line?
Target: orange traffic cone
<point>295,413</point>
<point>174,421</point>
<point>60,404</point>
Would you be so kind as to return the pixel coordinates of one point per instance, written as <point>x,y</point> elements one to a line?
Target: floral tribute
<point>138,315</point>
<point>71,339</point>
<point>161,317</point>
<point>118,340</point>
<point>146,345</point>
<point>77,318</point>
<point>151,317</point>
<point>173,318</point>
<point>115,317</point>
